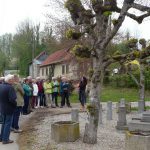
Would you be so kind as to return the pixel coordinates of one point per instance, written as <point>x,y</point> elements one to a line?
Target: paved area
<point>14,136</point>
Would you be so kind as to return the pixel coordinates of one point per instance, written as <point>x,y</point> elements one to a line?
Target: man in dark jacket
<point>7,106</point>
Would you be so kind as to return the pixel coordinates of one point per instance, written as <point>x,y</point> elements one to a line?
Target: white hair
<point>2,78</point>
<point>53,78</point>
<point>8,77</point>
<point>29,77</point>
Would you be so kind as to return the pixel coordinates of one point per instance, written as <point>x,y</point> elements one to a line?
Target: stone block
<point>137,142</point>
<point>65,131</point>
<point>136,125</point>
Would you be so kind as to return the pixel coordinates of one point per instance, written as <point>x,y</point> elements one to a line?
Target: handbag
<point>1,118</point>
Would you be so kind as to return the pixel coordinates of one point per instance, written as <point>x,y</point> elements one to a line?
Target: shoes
<point>69,106</point>
<point>7,142</point>
<point>17,131</point>
<point>12,129</point>
<point>0,140</point>
<point>61,106</point>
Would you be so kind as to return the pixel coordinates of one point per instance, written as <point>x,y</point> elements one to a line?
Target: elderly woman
<point>48,89</point>
<point>27,95</point>
<point>20,93</point>
<point>35,94</point>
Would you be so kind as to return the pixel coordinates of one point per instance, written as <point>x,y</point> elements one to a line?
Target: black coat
<point>7,99</point>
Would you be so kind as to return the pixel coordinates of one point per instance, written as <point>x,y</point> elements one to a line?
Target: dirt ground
<point>27,137</point>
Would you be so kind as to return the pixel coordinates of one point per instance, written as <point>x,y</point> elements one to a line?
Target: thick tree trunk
<point>90,134</point>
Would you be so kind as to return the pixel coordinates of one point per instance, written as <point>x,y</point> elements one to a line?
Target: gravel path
<point>108,137</point>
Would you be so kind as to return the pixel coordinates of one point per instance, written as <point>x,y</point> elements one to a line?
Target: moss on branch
<point>78,13</point>
<point>132,43</point>
<point>72,34</point>
<point>114,21</point>
<point>143,43</point>
<point>81,51</point>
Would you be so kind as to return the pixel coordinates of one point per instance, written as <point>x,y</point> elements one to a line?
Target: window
<point>63,69</point>
<point>67,69</point>
<point>42,71</point>
<point>46,71</point>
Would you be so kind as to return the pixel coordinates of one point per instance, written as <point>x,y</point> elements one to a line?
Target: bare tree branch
<point>121,18</point>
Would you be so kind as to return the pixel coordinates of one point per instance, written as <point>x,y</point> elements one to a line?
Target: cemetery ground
<point>36,133</point>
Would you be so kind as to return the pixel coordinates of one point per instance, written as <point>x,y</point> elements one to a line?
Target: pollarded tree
<point>94,21</point>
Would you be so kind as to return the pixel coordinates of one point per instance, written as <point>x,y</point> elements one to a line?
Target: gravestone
<point>109,110</point>
<point>100,115</point>
<point>122,122</point>
<point>122,102</point>
<point>75,115</point>
<point>138,137</point>
<point>141,106</point>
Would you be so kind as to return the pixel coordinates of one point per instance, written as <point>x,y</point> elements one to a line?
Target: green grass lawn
<point>115,94</point>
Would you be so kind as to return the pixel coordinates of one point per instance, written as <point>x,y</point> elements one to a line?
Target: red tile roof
<point>56,57</point>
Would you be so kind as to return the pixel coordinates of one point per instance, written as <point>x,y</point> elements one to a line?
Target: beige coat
<point>20,93</point>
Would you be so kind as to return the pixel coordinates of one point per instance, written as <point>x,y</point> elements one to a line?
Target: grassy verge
<point>115,94</point>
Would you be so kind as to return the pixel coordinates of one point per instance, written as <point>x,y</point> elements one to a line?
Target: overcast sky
<point>12,12</point>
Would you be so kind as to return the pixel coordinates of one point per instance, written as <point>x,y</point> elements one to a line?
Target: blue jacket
<point>64,87</point>
<point>7,99</point>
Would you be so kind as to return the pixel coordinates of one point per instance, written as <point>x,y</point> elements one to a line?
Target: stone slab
<point>137,117</point>
<point>137,142</point>
<point>125,127</point>
<point>136,125</point>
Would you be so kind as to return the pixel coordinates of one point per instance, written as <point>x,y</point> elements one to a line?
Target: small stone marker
<point>122,122</point>
<point>100,115</point>
<point>122,102</point>
<point>109,110</point>
<point>140,106</point>
<point>75,115</point>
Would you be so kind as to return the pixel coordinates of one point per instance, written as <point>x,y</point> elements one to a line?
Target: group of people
<point>22,97</point>
<point>18,97</point>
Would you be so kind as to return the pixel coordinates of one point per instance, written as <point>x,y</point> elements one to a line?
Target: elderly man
<point>7,107</point>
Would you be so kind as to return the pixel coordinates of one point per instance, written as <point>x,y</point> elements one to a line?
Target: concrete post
<point>109,110</point>
<point>100,115</point>
<point>141,106</point>
<point>75,115</point>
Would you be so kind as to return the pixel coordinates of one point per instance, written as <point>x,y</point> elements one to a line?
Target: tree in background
<point>95,24</point>
<point>4,61</point>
